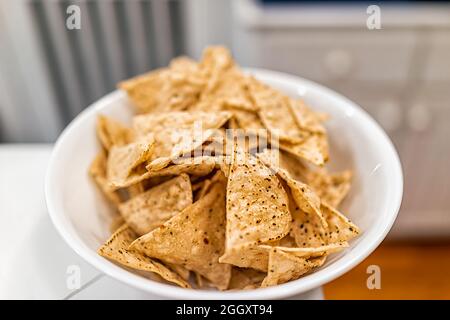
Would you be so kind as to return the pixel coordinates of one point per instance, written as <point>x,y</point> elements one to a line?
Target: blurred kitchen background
<point>400,73</point>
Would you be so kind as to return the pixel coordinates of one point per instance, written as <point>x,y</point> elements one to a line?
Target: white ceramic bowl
<point>82,217</point>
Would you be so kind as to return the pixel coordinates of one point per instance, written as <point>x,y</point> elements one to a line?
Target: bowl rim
<point>290,289</point>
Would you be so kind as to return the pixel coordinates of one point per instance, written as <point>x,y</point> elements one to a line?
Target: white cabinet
<point>438,56</point>
<point>325,55</point>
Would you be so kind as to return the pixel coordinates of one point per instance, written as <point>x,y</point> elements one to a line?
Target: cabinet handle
<point>389,115</point>
<point>419,117</point>
<point>338,63</point>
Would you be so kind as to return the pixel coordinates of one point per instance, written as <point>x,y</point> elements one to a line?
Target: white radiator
<point>48,73</point>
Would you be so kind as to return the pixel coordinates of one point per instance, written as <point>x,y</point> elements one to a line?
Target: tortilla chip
<point>183,85</point>
<point>288,242</point>
<point>201,193</point>
<point>248,255</point>
<point>122,161</point>
<point>199,166</point>
<point>245,279</point>
<point>331,188</point>
<point>199,280</point>
<point>307,229</point>
<point>194,238</point>
<point>144,90</point>
<point>177,133</point>
<point>214,145</point>
<point>180,270</point>
<point>305,198</point>
<point>256,203</point>
<point>234,92</point>
<point>294,166</point>
<point>340,228</point>
<point>284,267</point>
<point>305,118</point>
<point>156,123</point>
<point>313,149</point>
<point>197,185</point>
<point>231,90</point>
<point>271,104</point>
<point>216,60</point>
<point>116,249</point>
<point>309,252</point>
<point>257,211</point>
<point>97,171</point>
<point>152,208</point>
<point>168,89</point>
<point>221,144</point>
<point>308,232</point>
<point>246,119</point>
<point>135,190</point>
<point>112,133</point>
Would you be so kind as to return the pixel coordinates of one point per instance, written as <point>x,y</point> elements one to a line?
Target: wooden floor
<point>408,271</point>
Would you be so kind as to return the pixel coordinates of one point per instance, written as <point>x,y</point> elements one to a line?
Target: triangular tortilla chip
<point>331,187</point>
<point>294,166</point>
<point>314,149</point>
<point>135,190</point>
<point>245,119</point>
<point>177,133</point>
<point>247,255</point>
<point>230,91</point>
<point>340,228</point>
<point>208,183</point>
<point>305,198</point>
<point>194,238</point>
<point>112,133</point>
<point>116,249</point>
<point>234,91</point>
<point>288,242</point>
<point>168,89</point>
<point>257,209</point>
<point>198,185</point>
<point>124,160</point>
<point>144,90</point>
<point>199,280</point>
<point>309,252</point>
<point>216,60</point>
<point>305,118</point>
<point>97,171</point>
<point>180,270</point>
<point>284,267</point>
<point>315,222</point>
<point>204,187</point>
<point>198,166</point>
<point>215,145</point>
<point>271,104</point>
<point>152,208</point>
<point>308,231</point>
<point>245,279</point>
<point>307,228</point>
<point>157,123</point>
<point>182,86</point>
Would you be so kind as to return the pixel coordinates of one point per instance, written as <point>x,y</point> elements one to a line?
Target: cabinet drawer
<point>359,55</point>
<point>438,62</point>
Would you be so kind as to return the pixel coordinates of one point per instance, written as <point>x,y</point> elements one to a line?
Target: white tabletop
<point>35,263</point>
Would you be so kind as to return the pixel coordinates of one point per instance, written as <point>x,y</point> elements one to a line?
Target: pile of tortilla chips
<point>219,180</point>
